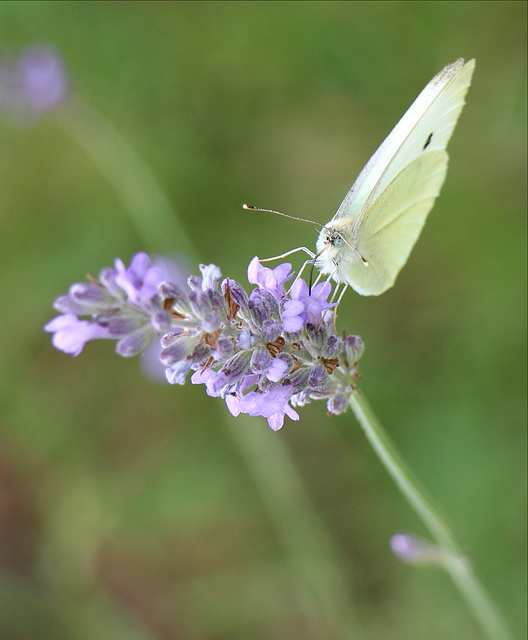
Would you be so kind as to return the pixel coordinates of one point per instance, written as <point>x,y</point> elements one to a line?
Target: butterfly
<point>369,239</point>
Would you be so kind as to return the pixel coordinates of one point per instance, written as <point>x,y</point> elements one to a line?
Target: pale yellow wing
<point>426,126</point>
<point>391,225</point>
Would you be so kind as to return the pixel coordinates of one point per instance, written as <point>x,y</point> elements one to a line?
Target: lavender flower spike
<point>263,353</point>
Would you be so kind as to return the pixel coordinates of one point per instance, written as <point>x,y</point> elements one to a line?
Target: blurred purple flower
<point>32,83</point>
<point>414,550</point>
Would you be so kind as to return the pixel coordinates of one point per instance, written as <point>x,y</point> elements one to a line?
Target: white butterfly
<point>369,239</point>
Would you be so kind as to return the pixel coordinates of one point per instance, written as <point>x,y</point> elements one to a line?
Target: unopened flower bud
<point>172,336</point>
<point>200,303</point>
<point>236,293</point>
<point>195,283</point>
<point>236,366</point>
<point>316,335</point>
<point>65,304</point>
<point>332,347</point>
<point>123,325</point>
<point>318,376</point>
<point>415,550</point>
<point>107,277</point>
<point>177,373</point>
<point>211,322</point>
<point>353,348</point>
<point>337,403</point>
<point>260,360</point>
<point>91,296</point>
<point>134,343</point>
<point>178,350</point>
<point>271,329</point>
<point>160,321</point>
<point>299,379</point>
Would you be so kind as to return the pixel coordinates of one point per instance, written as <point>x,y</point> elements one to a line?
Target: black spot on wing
<point>428,141</point>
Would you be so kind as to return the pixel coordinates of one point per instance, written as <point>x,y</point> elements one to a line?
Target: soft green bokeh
<point>128,509</point>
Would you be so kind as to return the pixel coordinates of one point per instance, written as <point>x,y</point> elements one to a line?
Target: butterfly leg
<point>307,262</point>
<point>345,287</point>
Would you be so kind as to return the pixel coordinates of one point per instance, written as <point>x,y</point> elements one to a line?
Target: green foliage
<point>129,509</point>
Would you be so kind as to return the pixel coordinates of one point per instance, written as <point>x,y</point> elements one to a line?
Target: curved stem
<point>458,567</point>
<point>313,556</point>
<point>308,546</point>
<point>156,222</point>
<point>143,197</point>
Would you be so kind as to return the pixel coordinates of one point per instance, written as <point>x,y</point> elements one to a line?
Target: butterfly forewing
<point>426,126</point>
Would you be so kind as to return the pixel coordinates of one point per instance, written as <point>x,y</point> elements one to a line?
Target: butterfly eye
<point>334,238</point>
<point>337,240</point>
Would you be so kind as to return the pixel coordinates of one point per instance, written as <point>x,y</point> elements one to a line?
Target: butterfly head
<point>335,252</point>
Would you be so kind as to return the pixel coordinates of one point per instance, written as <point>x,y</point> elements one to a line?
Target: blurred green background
<point>136,510</point>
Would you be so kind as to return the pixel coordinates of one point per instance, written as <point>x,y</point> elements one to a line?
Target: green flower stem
<point>144,199</point>
<point>302,533</point>
<point>455,563</point>
<point>310,551</point>
<point>316,562</point>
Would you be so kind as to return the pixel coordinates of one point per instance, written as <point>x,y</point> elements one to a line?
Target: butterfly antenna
<point>249,207</point>
<point>355,250</point>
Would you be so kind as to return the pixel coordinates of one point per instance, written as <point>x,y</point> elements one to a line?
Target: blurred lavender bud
<point>200,303</point>
<point>415,550</point>
<point>337,404</point>
<point>121,325</point>
<point>211,322</point>
<point>32,83</point>
<point>160,321</point>
<point>353,348</point>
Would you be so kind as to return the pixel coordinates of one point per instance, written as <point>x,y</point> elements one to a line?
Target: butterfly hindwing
<point>393,224</point>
